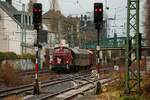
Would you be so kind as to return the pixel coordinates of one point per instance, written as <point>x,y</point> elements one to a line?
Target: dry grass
<point>116,91</point>
<point>8,75</point>
<point>12,98</point>
<point>48,76</point>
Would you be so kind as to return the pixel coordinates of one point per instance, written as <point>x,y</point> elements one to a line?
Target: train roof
<point>77,50</point>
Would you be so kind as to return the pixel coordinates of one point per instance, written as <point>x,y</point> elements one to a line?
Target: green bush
<point>2,55</point>
<point>27,56</point>
<point>133,98</point>
<point>13,56</point>
<point>8,55</point>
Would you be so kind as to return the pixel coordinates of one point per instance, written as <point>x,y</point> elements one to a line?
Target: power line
<point>80,6</point>
<point>20,1</point>
<point>77,3</point>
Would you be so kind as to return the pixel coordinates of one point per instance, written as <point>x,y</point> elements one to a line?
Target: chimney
<point>9,1</point>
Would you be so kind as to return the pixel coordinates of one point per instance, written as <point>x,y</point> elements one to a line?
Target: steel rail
<point>24,88</point>
<point>90,88</point>
<point>69,89</point>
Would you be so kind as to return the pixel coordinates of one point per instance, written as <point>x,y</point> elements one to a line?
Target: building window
<point>26,18</point>
<point>0,17</point>
<point>29,20</point>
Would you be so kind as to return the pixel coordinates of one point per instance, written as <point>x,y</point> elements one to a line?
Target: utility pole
<point>133,45</point>
<point>36,85</point>
<point>23,38</point>
<point>59,28</point>
<point>106,23</point>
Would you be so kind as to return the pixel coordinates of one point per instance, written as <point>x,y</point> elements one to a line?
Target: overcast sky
<point>117,9</point>
<point>69,7</point>
<point>77,7</point>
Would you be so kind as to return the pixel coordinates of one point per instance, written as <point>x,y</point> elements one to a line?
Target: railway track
<point>65,78</point>
<point>24,88</point>
<point>72,92</point>
<point>32,72</point>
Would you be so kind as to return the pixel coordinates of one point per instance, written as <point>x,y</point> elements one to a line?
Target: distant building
<point>16,30</point>
<point>59,26</point>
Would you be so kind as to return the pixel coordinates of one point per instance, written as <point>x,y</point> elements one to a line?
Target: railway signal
<point>37,21</point>
<point>37,15</point>
<point>98,13</point>
<point>98,21</point>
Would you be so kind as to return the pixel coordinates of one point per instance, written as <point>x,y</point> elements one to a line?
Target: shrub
<point>8,55</point>
<point>27,56</point>
<point>13,56</point>
<point>1,56</point>
<point>8,75</point>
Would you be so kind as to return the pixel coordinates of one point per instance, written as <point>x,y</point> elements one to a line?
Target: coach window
<point>0,17</point>
<point>62,60</point>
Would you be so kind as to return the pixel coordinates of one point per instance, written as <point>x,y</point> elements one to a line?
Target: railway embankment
<point>115,91</point>
<point>12,77</point>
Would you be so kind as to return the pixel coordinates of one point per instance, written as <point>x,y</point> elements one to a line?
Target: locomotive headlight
<point>67,62</point>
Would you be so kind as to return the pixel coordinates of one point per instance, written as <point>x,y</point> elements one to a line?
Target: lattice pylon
<point>132,76</point>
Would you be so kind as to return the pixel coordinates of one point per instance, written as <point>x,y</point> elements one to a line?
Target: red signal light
<point>36,10</point>
<point>98,10</point>
<point>39,10</point>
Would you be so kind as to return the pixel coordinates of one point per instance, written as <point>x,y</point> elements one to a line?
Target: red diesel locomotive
<point>71,59</point>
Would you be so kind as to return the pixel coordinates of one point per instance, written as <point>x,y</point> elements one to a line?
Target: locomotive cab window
<point>59,60</point>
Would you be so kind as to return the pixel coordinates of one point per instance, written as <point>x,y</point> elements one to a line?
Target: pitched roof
<point>11,11</point>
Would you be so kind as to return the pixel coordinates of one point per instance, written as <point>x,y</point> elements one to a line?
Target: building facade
<point>16,30</point>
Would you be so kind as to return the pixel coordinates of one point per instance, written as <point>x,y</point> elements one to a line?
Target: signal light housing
<point>98,12</point>
<point>37,14</point>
